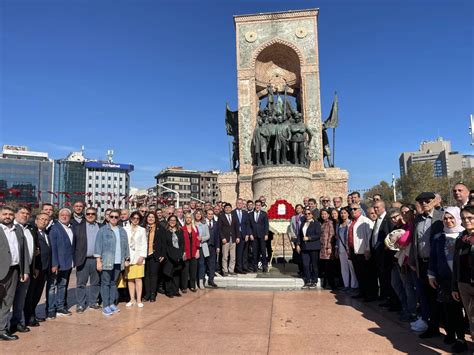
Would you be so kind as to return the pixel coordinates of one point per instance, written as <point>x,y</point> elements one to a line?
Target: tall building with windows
<point>26,177</point>
<point>107,184</point>
<point>189,184</point>
<point>445,161</point>
<point>70,179</point>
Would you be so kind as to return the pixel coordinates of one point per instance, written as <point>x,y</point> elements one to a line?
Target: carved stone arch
<point>277,62</point>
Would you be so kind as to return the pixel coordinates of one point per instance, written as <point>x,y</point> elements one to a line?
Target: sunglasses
<point>326,200</point>
<point>91,214</point>
<point>308,214</point>
<point>114,217</point>
<point>353,209</point>
<point>143,211</point>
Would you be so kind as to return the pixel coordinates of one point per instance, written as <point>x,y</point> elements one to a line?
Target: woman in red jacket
<point>191,253</point>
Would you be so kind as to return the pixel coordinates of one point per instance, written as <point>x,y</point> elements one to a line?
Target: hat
<point>425,196</point>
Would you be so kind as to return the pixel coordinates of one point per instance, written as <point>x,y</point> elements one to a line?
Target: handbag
<point>122,280</point>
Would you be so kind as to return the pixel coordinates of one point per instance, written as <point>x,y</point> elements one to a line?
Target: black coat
<point>80,242</point>
<point>214,239</point>
<point>228,231</point>
<point>314,234</point>
<point>173,257</point>
<point>43,261</point>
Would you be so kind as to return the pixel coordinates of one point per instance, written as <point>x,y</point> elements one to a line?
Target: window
<point>109,178</point>
<point>120,179</point>
<point>108,186</point>
<point>90,185</point>
<point>103,177</point>
<point>96,186</point>
<point>103,186</point>
<point>115,178</point>
<point>195,180</point>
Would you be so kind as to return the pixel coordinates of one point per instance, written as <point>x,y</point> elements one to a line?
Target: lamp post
<point>170,190</point>
<point>471,129</point>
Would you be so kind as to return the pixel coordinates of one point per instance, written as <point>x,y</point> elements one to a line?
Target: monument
<point>277,129</point>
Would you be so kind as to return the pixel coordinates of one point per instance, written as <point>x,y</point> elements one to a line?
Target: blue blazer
<point>261,227</point>
<point>314,234</point>
<point>438,264</point>
<point>215,239</point>
<point>243,226</point>
<point>62,250</point>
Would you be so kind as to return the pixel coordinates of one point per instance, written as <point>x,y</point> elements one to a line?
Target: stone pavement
<point>230,322</point>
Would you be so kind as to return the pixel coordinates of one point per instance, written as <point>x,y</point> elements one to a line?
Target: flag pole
<point>333,146</point>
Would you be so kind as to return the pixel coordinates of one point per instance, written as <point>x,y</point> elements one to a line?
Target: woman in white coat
<point>137,242</point>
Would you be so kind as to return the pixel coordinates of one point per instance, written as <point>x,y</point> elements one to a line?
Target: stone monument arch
<point>278,87</point>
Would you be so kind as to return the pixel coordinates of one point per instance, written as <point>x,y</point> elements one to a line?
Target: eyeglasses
<point>308,214</point>
<point>114,217</point>
<point>353,209</point>
<point>424,201</point>
<point>142,211</point>
<point>326,200</point>
<point>91,214</point>
<point>467,218</point>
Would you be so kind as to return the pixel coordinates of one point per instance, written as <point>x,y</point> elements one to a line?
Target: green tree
<point>383,188</point>
<point>420,178</point>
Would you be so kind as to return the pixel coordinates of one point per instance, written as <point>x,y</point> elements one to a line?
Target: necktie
<point>239,213</point>
<point>256,216</point>
<point>228,218</point>
<point>297,224</point>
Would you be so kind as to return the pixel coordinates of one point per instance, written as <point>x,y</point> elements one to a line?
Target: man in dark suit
<point>62,251</point>
<point>214,246</point>
<point>426,226</point>
<point>14,266</point>
<point>78,213</point>
<point>243,223</point>
<point>230,235</point>
<point>381,260</point>
<point>260,228</point>
<point>86,266</point>
<point>41,270</point>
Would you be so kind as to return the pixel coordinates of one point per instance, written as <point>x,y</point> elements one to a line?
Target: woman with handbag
<point>137,242</point>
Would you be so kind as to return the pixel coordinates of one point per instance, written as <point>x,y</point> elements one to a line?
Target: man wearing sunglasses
<point>426,226</point>
<point>85,235</point>
<point>358,240</point>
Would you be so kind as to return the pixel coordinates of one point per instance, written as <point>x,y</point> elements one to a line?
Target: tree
<point>383,188</point>
<point>420,178</point>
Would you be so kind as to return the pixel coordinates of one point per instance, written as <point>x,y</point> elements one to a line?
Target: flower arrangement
<point>281,210</point>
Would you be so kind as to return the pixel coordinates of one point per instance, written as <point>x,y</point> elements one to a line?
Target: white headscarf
<point>455,212</point>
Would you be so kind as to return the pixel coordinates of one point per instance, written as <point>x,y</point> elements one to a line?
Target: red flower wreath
<point>282,210</point>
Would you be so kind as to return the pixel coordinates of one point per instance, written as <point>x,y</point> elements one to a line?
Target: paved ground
<point>231,322</point>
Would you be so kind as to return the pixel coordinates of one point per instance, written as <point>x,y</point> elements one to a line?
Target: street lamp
<point>170,190</point>
<point>471,129</point>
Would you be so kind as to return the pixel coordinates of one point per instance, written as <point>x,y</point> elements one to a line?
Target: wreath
<point>281,210</point>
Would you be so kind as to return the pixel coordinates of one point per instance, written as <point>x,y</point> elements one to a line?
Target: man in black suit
<point>78,213</point>
<point>85,234</point>
<point>260,229</point>
<point>14,266</point>
<point>243,223</point>
<point>40,272</point>
<point>214,246</point>
<point>382,258</point>
<point>230,235</point>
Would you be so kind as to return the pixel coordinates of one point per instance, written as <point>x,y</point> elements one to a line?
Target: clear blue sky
<point>150,79</point>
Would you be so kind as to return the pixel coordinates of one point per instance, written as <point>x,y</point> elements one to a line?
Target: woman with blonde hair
<point>191,253</point>
<point>134,273</point>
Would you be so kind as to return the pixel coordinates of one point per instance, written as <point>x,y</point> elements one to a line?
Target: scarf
<point>151,238</point>
<point>174,240</point>
<point>455,212</point>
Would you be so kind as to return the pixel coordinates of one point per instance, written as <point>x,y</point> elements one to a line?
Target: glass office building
<point>69,181</point>
<point>25,176</point>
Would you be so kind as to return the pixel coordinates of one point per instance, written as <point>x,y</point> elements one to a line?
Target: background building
<point>190,184</point>
<point>70,179</point>
<point>26,177</point>
<point>445,161</point>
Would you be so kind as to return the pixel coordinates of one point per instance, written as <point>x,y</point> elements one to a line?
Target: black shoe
<point>449,339</point>
<point>7,337</point>
<point>212,284</point>
<point>178,295</point>
<point>40,319</point>
<point>430,333</point>
<point>80,309</point>
<point>51,315</point>
<point>33,323</point>
<point>152,298</point>
<point>95,306</point>
<point>459,346</point>
<point>394,309</point>
<point>385,304</point>
<point>193,290</point>
<point>370,299</point>
<point>232,273</point>
<point>169,295</point>
<point>224,274</point>
<point>146,298</point>
<point>265,269</point>
<point>161,290</point>
<point>184,291</point>
<point>63,313</point>
<point>20,328</point>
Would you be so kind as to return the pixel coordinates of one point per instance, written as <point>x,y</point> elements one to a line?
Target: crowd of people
<point>416,258</point>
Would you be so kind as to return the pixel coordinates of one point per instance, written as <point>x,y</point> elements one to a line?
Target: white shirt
<point>257,213</point>
<point>29,239</point>
<point>305,228</point>
<point>12,243</point>
<point>68,231</point>
<point>378,222</point>
<point>229,218</point>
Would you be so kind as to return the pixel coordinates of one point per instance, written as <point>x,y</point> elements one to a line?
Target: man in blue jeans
<point>62,252</point>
